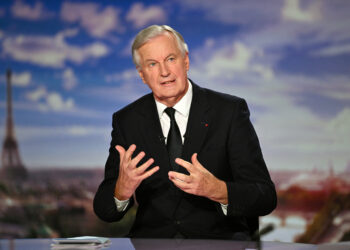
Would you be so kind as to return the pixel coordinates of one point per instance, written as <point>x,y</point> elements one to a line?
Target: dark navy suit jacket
<point>220,131</point>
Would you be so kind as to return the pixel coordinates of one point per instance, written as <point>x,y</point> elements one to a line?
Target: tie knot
<point>170,112</point>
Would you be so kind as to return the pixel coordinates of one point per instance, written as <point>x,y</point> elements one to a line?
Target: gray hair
<point>151,32</point>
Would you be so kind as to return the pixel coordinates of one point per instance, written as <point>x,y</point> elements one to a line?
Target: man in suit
<point>188,156</point>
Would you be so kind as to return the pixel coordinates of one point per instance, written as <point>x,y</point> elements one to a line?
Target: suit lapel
<point>151,131</point>
<point>196,131</point>
<point>198,124</point>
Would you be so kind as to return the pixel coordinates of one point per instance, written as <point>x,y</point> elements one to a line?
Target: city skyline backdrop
<point>72,69</point>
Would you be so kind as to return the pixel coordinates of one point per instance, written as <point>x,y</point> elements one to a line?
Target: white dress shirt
<point>182,111</point>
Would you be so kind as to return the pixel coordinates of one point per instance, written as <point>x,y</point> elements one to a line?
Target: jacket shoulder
<point>216,98</point>
<point>131,109</point>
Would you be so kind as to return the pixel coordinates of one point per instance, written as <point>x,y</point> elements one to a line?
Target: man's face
<point>164,69</point>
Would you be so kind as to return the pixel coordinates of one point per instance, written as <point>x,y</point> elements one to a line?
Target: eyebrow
<point>154,60</point>
<point>172,54</point>
<point>151,60</point>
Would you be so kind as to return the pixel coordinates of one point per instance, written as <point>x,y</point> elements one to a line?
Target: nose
<point>164,71</point>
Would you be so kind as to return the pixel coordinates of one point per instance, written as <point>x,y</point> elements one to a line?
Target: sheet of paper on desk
<point>75,247</point>
<point>83,242</point>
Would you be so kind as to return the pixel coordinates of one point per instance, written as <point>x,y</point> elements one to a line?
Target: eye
<point>170,59</point>
<point>152,64</point>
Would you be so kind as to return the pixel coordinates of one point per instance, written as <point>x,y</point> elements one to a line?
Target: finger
<point>180,184</point>
<point>194,158</point>
<point>184,164</point>
<point>137,159</point>
<point>144,166</point>
<point>195,161</point>
<point>179,176</point>
<point>130,151</point>
<point>149,172</point>
<point>120,150</point>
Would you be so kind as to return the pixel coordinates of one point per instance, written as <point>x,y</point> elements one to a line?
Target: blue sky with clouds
<point>72,69</point>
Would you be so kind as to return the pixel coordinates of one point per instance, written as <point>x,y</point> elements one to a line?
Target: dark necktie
<point>174,142</point>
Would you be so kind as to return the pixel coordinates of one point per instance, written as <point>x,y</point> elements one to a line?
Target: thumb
<point>194,159</point>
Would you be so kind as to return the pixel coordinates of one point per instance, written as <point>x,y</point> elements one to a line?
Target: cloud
<point>140,15</point>
<point>19,79</point>
<point>304,138</point>
<point>235,58</point>
<point>333,50</point>
<point>51,51</point>
<point>57,103</point>
<point>96,21</point>
<point>44,101</point>
<point>331,87</point>
<point>229,60</point>
<point>79,131</point>
<point>37,94</point>
<point>50,101</point>
<point>127,87</point>
<point>339,127</point>
<point>28,134</point>
<point>294,132</point>
<point>37,12</point>
<point>124,76</point>
<point>242,12</point>
<point>236,68</point>
<point>292,11</point>
<point>263,22</point>
<point>63,145</point>
<point>292,135</point>
<point>70,81</point>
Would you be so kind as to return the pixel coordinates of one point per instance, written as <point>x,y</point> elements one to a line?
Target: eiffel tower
<point>12,167</point>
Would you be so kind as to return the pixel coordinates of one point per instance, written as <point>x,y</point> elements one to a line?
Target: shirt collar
<point>183,106</point>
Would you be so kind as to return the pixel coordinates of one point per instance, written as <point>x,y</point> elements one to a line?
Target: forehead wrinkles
<point>159,48</point>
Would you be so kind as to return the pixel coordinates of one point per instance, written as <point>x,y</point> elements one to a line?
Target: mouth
<point>165,83</point>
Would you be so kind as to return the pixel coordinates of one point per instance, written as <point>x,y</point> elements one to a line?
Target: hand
<point>200,181</point>
<point>130,176</point>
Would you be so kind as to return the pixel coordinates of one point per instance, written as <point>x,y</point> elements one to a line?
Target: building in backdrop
<point>12,167</point>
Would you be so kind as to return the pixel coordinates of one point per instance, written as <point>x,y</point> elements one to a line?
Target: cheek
<point>181,69</point>
<point>149,76</point>
<point>151,80</point>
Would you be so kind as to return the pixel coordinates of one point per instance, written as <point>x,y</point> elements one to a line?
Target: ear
<point>187,61</point>
<point>139,70</point>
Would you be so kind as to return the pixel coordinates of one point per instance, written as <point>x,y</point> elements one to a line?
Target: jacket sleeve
<point>104,203</point>
<point>251,193</point>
